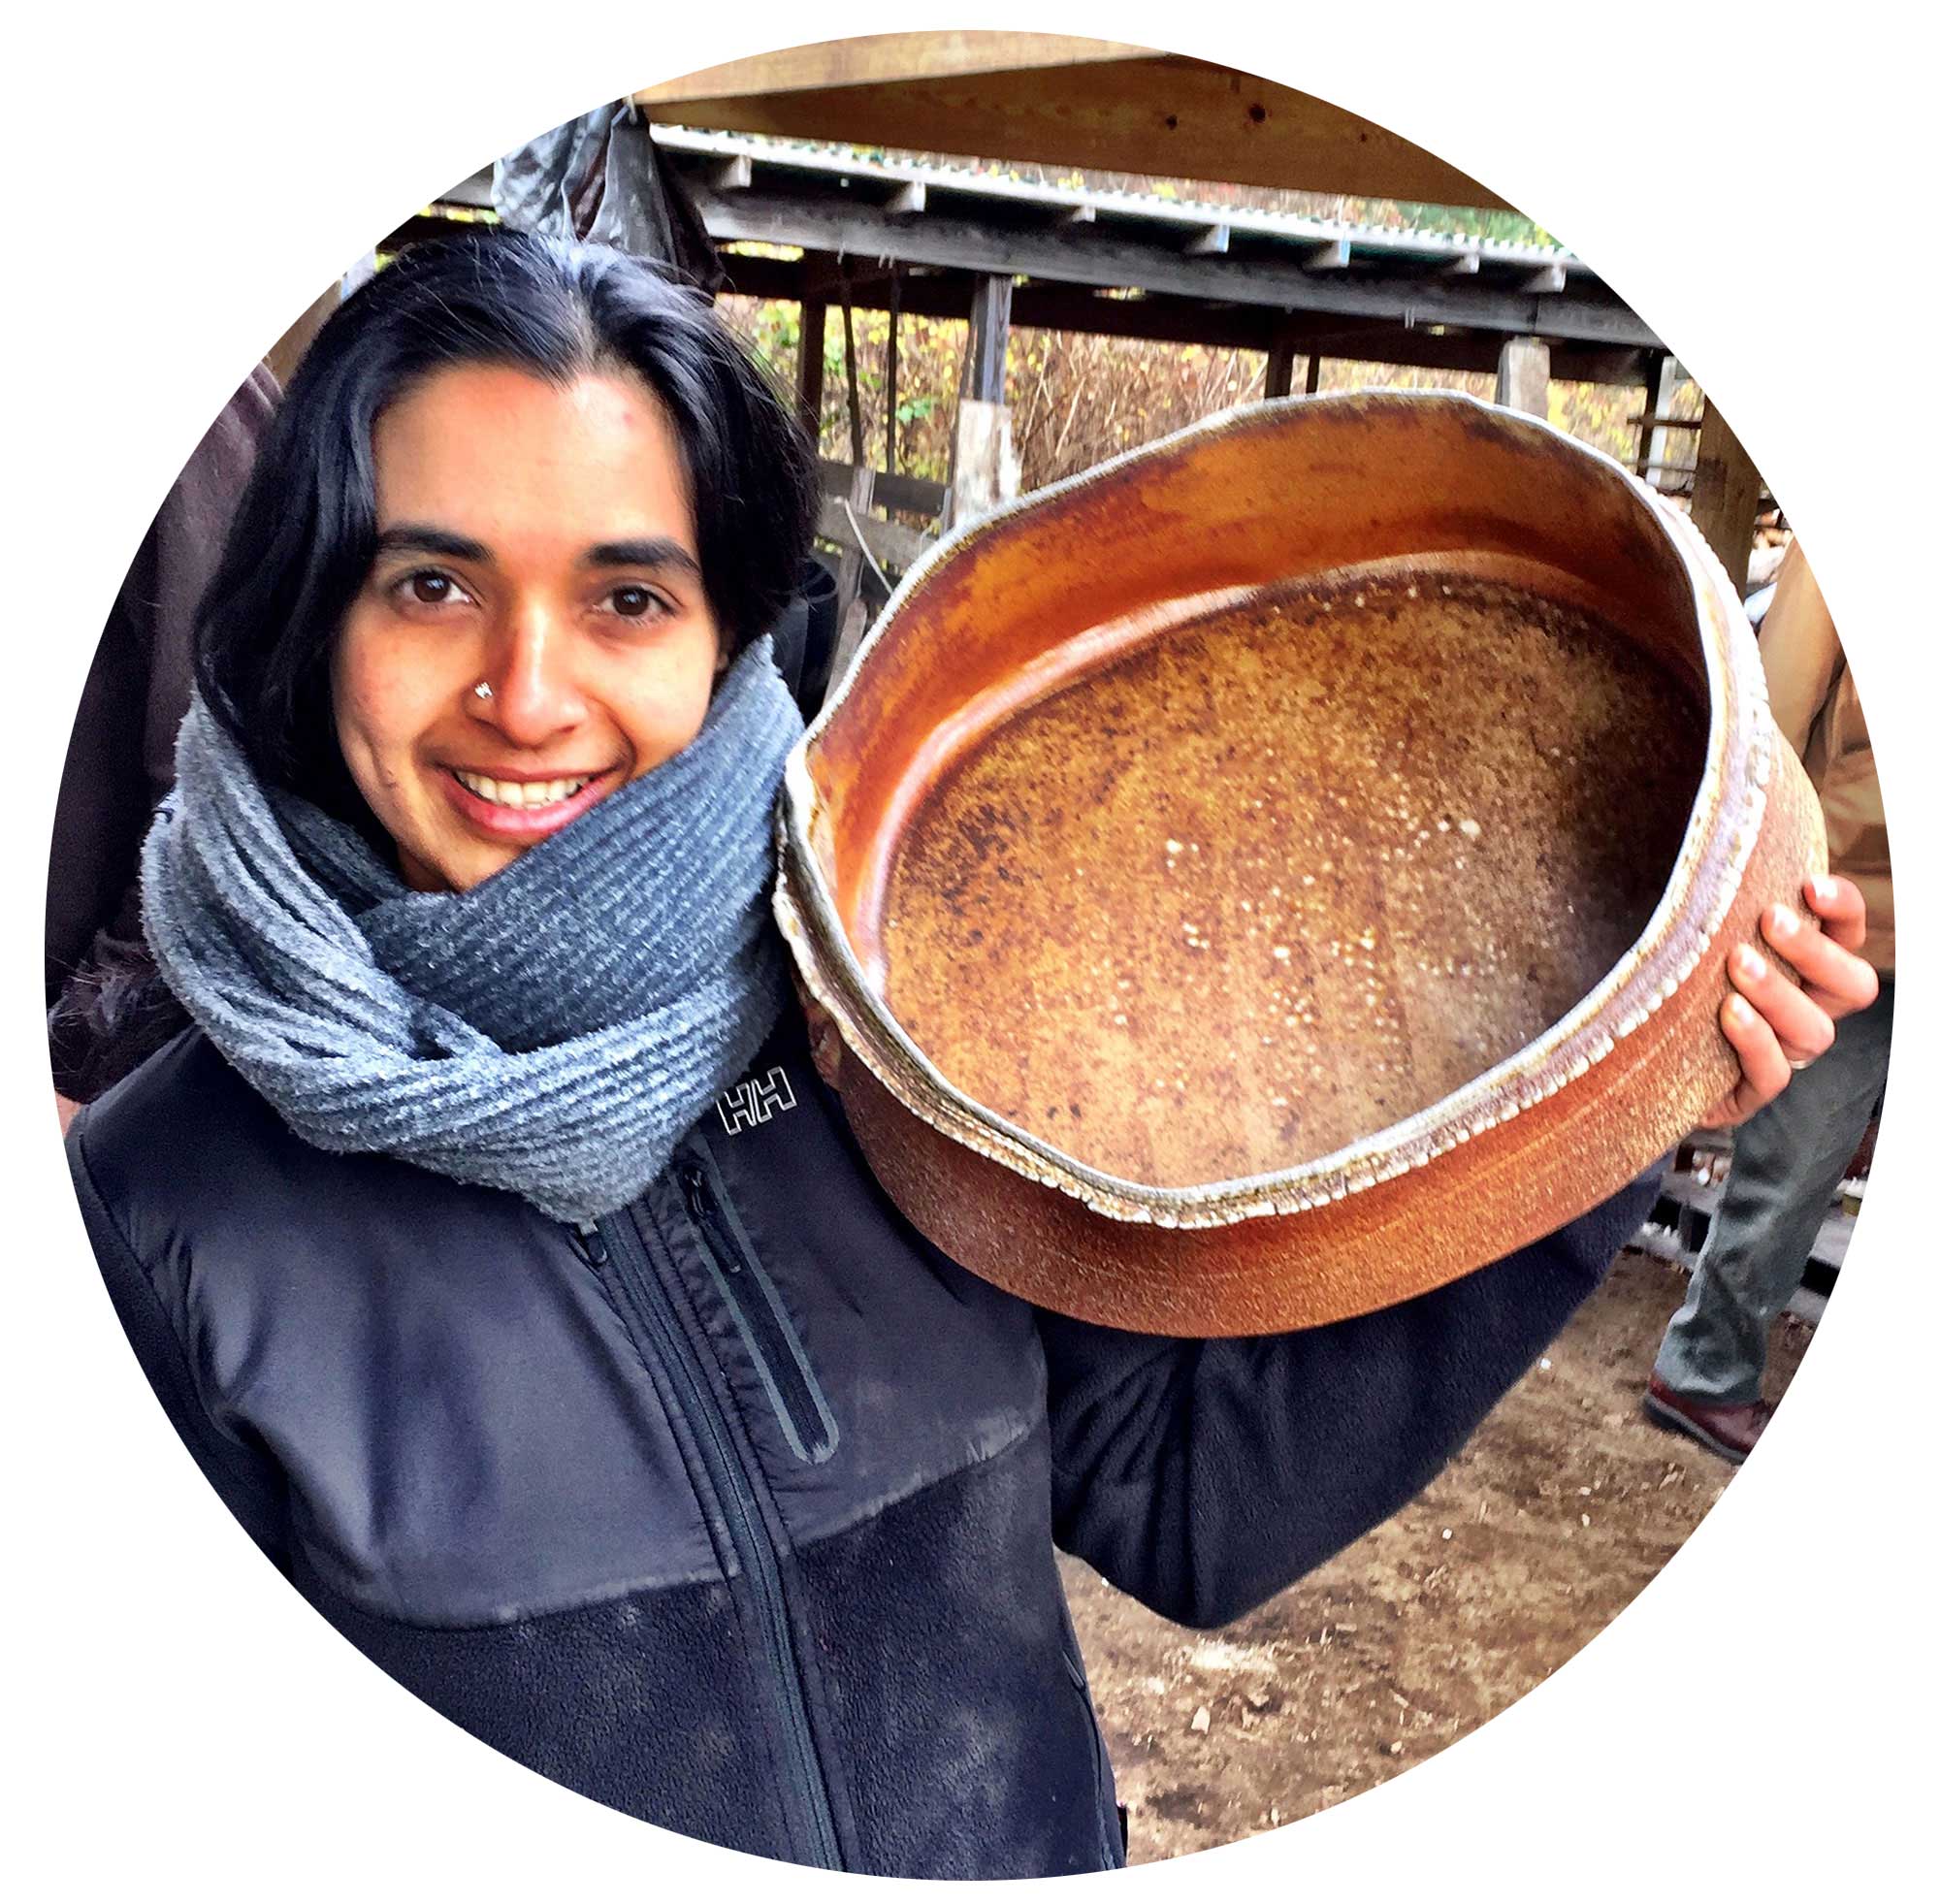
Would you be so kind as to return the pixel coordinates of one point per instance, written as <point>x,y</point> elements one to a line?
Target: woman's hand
<point>1777,1027</point>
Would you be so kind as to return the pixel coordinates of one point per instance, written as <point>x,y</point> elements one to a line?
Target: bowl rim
<point>1720,837</point>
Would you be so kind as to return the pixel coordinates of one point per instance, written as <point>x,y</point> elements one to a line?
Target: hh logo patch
<point>754,1100</point>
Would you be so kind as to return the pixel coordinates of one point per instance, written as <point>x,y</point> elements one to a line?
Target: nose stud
<point>483,691</point>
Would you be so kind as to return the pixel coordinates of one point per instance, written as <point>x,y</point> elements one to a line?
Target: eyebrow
<point>432,542</point>
<point>648,552</point>
<point>644,552</point>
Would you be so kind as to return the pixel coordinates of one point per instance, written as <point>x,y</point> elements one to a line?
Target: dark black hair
<point>305,531</point>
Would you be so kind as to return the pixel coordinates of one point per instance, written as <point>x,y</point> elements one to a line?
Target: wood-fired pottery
<point>1289,866</point>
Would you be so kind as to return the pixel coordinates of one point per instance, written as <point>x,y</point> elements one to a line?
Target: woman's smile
<point>533,632</point>
<point>514,807</point>
<point>525,793</point>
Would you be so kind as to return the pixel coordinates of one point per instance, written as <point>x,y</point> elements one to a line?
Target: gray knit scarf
<point>554,1030</point>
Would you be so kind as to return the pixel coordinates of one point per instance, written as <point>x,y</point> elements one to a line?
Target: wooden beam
<point>833,278</point>
<point>1179,118</point>
<point>1585,363</point>
<point>734,175</point>
<point>940,292</point>
<point>892,545</point>
<point>878,58</point>
<point>1466,265</point>
<point>1083,255</point>
<point>1545,281</point>
<point>1333,256</point>
<point>1725,496</point>
<point>1313,373</point>
<point>916,494</point>
<point>1185,320</point>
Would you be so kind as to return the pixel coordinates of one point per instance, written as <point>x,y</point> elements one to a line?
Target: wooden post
<point>1279,362</point>
<point>890,376</point>
<point>982,464</point>
<point>849,569</point>
<point>808,373</point>
<point>1658,389</point>
<point>858,455</point>
<point>1725,496</point>
<point>990,340</point>
<point>1312,372</point>
<point>1522,375</point>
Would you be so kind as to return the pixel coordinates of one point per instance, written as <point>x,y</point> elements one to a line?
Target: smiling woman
<point>538,542</point>
<point>491,1239</point>
<point>444,442</point>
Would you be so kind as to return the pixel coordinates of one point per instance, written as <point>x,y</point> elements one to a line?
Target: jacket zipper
<point>755,1308</point>
<point>613,1239</point>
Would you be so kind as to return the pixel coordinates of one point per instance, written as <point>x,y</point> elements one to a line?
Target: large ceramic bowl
<point>1291,865</point>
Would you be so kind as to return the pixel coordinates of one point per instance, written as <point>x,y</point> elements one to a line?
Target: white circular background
<point>185,180</point>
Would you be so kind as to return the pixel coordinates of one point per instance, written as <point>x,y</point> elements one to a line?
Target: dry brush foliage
<point>1077,399</point>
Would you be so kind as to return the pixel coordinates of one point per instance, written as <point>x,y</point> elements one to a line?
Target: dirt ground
<point>1566,1502</point>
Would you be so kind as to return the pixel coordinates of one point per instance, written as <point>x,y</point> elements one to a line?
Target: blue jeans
<point>1785,1164</point>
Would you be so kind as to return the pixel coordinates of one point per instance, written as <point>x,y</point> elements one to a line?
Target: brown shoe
<point>1730,1429</point>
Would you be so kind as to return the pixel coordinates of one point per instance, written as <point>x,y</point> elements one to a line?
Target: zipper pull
<point>591,1244</point>
<point>702,1212</point>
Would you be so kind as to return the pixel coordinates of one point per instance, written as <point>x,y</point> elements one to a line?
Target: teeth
<point>522,793</point>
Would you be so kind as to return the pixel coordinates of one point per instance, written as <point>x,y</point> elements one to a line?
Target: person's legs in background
<point>1785,1164</point>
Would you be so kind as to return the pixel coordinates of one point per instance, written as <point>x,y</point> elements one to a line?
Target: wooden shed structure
<point>790,152</point>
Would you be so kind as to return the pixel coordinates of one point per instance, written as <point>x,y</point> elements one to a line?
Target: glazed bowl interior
<point>1245,801</point>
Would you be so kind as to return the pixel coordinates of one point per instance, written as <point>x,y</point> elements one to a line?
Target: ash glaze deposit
<point>1290,872</point>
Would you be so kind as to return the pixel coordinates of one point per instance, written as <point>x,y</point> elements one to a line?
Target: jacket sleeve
<point>1799,649</point>
<point>249,1481</point>
<point>1202,1478</point>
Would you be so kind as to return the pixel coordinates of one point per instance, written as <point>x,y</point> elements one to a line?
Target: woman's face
<point>539,541</point>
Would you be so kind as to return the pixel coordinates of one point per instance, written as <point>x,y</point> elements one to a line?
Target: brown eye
<point>633,602</point>
<point>426,587</point>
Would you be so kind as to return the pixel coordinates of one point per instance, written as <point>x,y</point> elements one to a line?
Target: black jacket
<point>740,1513</point>
<point>120,762</point>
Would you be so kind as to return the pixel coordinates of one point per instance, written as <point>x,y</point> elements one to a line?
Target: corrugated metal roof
<point>1147,209</point>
